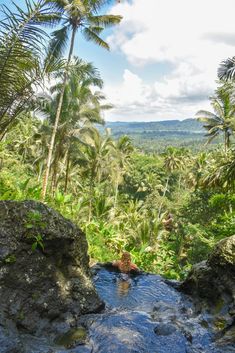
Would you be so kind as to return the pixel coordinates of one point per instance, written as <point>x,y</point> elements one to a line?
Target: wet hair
<point>126,256</point>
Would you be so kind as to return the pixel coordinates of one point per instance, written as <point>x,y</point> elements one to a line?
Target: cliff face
<point>44,274</point>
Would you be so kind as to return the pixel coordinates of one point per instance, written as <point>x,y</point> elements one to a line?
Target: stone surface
<point>214,279</point>
<point>44,270</point>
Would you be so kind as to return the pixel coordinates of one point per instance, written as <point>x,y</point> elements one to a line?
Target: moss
<point>71,338</point>
<point>10,259</point>
<point>220,323</point>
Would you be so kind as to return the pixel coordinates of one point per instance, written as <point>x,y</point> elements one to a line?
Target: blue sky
<point>164,56</point>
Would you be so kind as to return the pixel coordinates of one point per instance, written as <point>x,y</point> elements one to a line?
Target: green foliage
<point>38,243</point>
<point>34,220</point>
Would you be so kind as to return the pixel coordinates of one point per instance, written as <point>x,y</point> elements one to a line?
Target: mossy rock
<point>72,338</point>
<point>50,285</point>
<point>224,253</point>
<point>214,279</point>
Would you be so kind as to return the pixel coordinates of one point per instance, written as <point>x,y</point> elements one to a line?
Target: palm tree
<point>222,120</point>
<point>96,159</point>
<point>226,69</point>
<point>198,166</point>
<point>22,47</point>
<point>220,172</point>
<point>174,159</point>
<point>122,151</point>
<point>75,15</point>
<point>80,106</point>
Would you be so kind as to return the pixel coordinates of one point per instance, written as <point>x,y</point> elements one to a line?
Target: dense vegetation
<point>155,135</point>
<point>167,208</point>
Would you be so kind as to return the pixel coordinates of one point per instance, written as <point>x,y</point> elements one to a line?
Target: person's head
<point>126,256</point>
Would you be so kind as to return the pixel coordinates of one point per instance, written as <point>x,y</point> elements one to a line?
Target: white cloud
<point>195,36</point>
<point>173,98</point>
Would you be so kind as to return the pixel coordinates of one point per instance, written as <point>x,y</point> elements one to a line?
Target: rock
<point>165,329</point>
<point>214,279</point>
<point>45,280</point>
<point>212,284</point>
<point>72,338</point>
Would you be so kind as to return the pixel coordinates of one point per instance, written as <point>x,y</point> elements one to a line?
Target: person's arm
<point>134,267</point>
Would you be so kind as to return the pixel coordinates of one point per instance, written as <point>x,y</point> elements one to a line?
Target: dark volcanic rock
<point>212,284</point>
<point>44,274</point>
<point>214,279</point>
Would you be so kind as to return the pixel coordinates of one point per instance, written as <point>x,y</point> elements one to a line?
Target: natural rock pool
<point>48,296</point>
<point>144,314</point>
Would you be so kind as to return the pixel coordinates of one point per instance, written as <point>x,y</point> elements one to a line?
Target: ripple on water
<point>133,332</point>
<point>139,293</point>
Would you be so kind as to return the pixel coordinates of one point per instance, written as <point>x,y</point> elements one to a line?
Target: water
<point>144,314</point>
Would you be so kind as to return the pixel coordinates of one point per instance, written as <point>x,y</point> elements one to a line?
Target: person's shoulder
<point>116,263</point>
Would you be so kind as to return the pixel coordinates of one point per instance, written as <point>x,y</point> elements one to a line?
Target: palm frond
<point>59,41</point>
<point>226,69</point>
<point>22,42</point>
<point>104,20</point>
<point>93,37</point>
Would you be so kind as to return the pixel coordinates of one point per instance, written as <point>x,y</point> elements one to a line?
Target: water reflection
<point>123,285</point>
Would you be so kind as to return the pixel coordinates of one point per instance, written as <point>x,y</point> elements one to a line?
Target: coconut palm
<point>174,159</point>
<point>223,119</point>
<point>80,106</point>
<point>226,69</point>
<point>122,150</point>
<point>96,158</point>
<point>220,172</point>
<point>75,15</point>
<point>24,61</point>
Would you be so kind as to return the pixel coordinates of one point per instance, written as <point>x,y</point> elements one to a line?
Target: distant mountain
<point>156,135</point>
<point>187,125</point>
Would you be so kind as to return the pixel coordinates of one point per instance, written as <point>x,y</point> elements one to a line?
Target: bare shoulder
<point>116,263</point>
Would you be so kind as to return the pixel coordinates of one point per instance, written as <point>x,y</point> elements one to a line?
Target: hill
<point>156,135</point>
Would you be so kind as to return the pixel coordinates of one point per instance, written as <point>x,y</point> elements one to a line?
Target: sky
<point>164,56</point>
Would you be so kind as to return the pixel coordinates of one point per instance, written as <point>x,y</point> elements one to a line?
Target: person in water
<point>125,265</point>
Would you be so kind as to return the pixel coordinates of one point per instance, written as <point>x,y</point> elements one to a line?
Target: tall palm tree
<point>76,15</point>
<point>223,119</point>
<point>80,106</point>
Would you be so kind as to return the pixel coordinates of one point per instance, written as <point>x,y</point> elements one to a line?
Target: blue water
<point>144,314</point>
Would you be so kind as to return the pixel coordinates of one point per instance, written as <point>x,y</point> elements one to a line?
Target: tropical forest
<point>77,190</point>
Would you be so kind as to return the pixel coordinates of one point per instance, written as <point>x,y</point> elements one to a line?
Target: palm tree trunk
<point>54,177</point>
<point>67,174</point>
<point>58,112</point>
<point>226,141</point>
<point>40,172</point>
